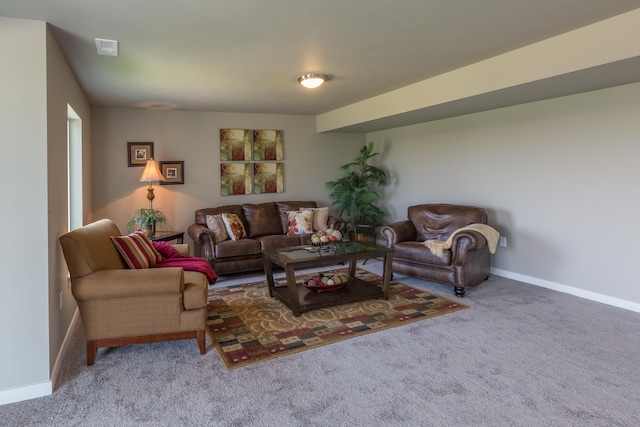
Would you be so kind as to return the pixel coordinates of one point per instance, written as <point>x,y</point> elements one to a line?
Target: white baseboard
<point>45,388</point>
<point>26,392</point>
<point>593,296</point>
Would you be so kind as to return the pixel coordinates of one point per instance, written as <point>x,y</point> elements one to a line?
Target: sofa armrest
<point>204,241</point>
<point>396,232</point>
<point>336,223</point>
<point>464,242</point>
<point>182,249</point>
<point>125,283</point>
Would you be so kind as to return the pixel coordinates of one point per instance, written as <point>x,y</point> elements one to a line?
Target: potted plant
<point>355,192</point>
<point>146,219</point>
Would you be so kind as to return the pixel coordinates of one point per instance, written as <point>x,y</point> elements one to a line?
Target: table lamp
<point>151,173</point>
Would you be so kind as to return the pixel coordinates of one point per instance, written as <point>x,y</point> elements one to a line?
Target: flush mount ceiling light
<point>311,81</point>
<point>107,47</point>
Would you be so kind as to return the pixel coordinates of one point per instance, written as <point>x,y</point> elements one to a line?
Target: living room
<point>548,172</point>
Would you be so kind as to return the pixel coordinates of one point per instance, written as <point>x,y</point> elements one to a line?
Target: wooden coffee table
<point>300,299</point>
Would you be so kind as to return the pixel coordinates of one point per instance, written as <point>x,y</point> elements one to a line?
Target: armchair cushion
<point>136,250</point>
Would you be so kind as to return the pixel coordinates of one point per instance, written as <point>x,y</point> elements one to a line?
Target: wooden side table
<point>167,236</point>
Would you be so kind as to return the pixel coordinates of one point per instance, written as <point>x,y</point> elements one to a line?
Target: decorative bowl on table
<point>321,238</point>
<point>325,282</point>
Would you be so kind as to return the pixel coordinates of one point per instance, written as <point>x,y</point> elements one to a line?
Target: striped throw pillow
<point>137,250</point>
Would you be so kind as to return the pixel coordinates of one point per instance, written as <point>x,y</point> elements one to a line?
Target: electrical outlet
<point>61,300</point>
<point>503,241</point>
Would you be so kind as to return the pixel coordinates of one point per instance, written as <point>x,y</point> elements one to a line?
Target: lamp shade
<point>151,172</point>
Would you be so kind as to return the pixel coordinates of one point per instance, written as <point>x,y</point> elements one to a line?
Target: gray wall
<point>310,159</point>
<point>559,178</point>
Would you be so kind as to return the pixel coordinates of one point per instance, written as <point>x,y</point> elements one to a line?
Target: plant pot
<point>150,230</point>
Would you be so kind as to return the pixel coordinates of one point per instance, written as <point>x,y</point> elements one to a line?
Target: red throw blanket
<point>171,258</point>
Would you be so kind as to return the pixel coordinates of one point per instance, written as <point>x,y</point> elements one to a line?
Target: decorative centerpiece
<point>327,282</point>
<point>322,238</point>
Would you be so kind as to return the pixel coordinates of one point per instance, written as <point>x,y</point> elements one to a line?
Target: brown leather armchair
<point>121,306</point>
<point>467,262</point>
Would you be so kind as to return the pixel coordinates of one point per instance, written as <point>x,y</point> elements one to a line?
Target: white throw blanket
<point>437,247</point>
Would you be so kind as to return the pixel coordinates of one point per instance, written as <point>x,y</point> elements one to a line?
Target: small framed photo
<point>139,153</point>
<point>173,172</point>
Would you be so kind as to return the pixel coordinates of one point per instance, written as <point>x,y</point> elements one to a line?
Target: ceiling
<point>246,55</point>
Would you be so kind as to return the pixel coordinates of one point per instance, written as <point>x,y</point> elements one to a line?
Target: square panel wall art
<point>235,145</point>
<point>267,145</point>
<point>235,178</point>
<point>268,177</point>
<point>251,161</point>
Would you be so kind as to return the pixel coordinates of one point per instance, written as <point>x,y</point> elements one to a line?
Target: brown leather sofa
<point>266,226</point>
<point>466,263</point>
<point>121,306</point>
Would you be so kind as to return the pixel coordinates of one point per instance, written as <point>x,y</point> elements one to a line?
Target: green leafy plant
<point>147,220</point>
<point>355,192</point>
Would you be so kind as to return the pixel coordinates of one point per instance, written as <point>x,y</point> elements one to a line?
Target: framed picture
<point>139,152</point>
<point>173,172</point>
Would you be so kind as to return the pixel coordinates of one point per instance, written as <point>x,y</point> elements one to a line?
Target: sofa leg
<point>92,349</point>
<point>459,290</point>
<point>202,343</point>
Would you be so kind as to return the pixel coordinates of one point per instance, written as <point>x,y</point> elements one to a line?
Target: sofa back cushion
<point>262,219</point>
<point>438,221</point>
<point>89,249</point>
<point>201,214</point>
<point>284,207</point>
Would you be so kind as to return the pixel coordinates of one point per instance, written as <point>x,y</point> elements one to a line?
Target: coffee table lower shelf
<point>356,290</point>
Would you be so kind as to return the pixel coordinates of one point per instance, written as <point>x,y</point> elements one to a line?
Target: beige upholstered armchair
<point>467,260</point>
<point>121,306</point>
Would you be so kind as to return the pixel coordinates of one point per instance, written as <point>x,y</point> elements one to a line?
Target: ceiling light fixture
<point>107,47</point>
<point>311,81</point>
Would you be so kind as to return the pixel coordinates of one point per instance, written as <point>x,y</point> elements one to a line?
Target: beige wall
<point>35,87</point>
<point>558,177</point>
<point>310,159</point>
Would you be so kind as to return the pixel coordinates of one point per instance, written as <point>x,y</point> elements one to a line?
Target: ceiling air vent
<point>107,47</point>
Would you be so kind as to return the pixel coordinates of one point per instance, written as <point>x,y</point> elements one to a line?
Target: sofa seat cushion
<point>243,247</point>
<point>195,290</point>
<point>272,243</point>
<point>417,252</point>
<point>262,219</point>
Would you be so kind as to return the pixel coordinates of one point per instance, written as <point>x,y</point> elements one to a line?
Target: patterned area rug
<point>247,326</point>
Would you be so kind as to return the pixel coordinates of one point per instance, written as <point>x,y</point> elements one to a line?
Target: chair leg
<point>459,291</point>
<point>92,349</point>
<point>202,343</point>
